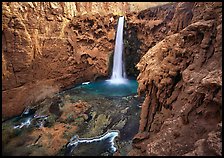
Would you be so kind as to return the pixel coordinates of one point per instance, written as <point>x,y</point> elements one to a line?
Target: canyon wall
<point>49,46</point>
<point>45,49</point>
<point>143,31</point>
<point>181,79</point>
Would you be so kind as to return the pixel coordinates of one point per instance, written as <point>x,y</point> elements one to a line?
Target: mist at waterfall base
<point>106,88</point>
<point>118,84</point>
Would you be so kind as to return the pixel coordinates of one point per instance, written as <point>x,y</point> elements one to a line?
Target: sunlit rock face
<point>181,80</point>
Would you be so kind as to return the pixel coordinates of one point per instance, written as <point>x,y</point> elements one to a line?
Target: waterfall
<point>118,71</point>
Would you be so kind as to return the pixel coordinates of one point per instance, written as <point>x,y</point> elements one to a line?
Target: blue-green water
<point>110,105</point>
<point>107,88</point>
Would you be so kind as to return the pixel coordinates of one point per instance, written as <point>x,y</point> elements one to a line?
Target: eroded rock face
<point>57,44</point>
<point>43,44</point>
<point>181,80</point>
<point>144,30</point>
<point>61,43</point>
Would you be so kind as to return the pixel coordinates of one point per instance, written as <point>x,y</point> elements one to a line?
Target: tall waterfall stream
<point>93,118</point>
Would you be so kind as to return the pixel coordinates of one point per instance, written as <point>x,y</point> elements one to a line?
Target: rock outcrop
<point>148,27</point>
<point>181,79</point>
<point>45,46</point>
<point>143,31</point>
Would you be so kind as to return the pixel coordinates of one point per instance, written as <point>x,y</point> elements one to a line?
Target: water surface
<point>109,88</point>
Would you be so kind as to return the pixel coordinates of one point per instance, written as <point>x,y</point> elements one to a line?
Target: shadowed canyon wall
<point>181,79</point>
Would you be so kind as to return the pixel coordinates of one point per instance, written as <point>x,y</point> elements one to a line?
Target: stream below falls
<point>89,119</point>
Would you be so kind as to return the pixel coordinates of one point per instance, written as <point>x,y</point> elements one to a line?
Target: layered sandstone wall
<point>181,79</point>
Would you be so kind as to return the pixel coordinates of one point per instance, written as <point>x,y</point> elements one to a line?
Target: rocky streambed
<point>74,122</point>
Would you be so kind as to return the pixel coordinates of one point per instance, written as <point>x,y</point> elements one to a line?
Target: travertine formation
<point>143,31</point>
<point>181,79</point>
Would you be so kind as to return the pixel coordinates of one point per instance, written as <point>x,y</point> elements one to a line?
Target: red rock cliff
<point>48,46</point>
<point>181,79</point>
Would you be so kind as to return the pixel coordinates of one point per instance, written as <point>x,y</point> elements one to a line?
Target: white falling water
<point>118,72</point>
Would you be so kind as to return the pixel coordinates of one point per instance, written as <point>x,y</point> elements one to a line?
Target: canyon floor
<point>54,121</point>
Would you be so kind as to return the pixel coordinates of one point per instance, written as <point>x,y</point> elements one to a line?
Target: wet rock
<point>50,121</point>
<point>125,110</point>
<point>144,30</point>
<point>120,124</point>
<point>39,152</point>
<point>94,114</point>
<point>214,142</point>
<point>54,107</point>
<point>7,133</point>
<point>85,117</point>
<point>98,125</point>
